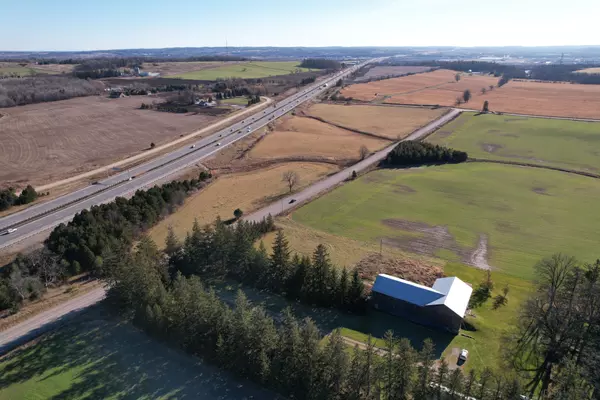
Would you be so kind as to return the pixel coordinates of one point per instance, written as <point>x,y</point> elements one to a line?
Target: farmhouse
<point>442,306</point>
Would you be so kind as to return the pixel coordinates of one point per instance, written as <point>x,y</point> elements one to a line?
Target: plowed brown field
<point>45,142</point>
<point>391,122</point>
<point>549,99</point>
<point>305,137</point>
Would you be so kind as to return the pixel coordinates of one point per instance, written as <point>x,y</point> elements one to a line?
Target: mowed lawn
<point>251,70</point>
<point>96,357</point>
<point>559,143</point>
<point>524,213</point>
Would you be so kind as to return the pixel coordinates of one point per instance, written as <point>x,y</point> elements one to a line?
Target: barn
<point>442,306</point>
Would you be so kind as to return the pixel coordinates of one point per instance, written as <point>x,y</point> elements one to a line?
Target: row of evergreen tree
<point>221,250</point>
<point>410,152</point>
<point>289,356</point>
<point>92,235</point>
<point>320,63</point>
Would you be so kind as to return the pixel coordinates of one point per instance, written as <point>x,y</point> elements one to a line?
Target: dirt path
<point>479,257</point>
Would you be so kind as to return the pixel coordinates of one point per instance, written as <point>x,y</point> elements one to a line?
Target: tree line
<point>9,198</point>
<point>21,91</point>
<point>410,152</point>
<point>280,352</point>
<point>551,72</point>
<point>320,63</point>
<point>221,250</point>
<point>92,235</point>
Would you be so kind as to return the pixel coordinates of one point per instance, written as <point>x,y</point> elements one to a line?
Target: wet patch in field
<point>490,147</point>
<point>432,239</point>
<point>540,190</point>
<point>403,189</point>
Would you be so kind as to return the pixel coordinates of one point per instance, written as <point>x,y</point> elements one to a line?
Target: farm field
<point>436,87</point>
<point>297,137</point>
<point>249,70</point>
<point>558,143</point>
<point>518,215</point>
<point>394,70</point>
<point>245,190</point>
<point>181,67</point>
<point>589,71</point>
<point>45,142</point>
<point>239,101</point>
<point>548,99</point>
<point>96,357</point>
<point>390,122</point>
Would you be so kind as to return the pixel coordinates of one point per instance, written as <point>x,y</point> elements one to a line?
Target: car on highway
<point>192,146</point>
<point>292,201</point>
<point>249,129</point>
<point>218,144</point>
<point>9,231</point>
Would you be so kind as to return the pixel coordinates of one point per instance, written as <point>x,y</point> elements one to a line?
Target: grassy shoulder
<point>98,357</point>
<point>558,143</point>
<point>524,214</point>
<point>249,70</point>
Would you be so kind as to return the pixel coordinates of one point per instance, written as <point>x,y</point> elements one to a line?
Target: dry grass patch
<point>248,191</point>
<point>343,251</point>
<point>391,122</point>
<point>305,137</point>
<point>41,143</point>
<point>549,99</point>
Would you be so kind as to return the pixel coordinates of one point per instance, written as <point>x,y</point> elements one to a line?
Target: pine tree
<point>259,267</point>
<point>389,370</point>
<point>280,261</point>
<point>424,371</point>
<point>470,383</point>
<point>356,292</point>
<point>309,355</point>
<point>172,245</point>
<point>455,384</point>
<point>484,383</point>
<point>296,281</point>
<point>404,366</point>
<point>343,288</point>
<point>287,368</point>
<point>441,377</point>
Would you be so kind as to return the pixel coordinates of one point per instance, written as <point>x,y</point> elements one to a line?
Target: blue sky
<point>111,24</point>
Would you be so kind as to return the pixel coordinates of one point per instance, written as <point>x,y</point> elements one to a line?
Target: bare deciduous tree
<point>291,178</point>
<point>363,152</point>
<point>46,265</point>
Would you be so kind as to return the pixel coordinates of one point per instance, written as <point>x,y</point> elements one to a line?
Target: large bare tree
<point>291,179</point>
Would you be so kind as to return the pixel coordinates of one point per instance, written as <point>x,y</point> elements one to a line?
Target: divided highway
<point>44,216</point>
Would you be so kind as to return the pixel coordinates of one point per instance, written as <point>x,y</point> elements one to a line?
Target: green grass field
<point>525,213</point>
<point>239,101</point>
<point>22,71</point>
<point>559,143</point>
<point>249,70</point>
<point>95,357</point>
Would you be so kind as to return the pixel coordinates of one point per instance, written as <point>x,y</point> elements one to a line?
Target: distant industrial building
<point>442,306</point>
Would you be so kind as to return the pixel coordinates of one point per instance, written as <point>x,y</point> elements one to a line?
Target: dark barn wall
<point>435,316</point>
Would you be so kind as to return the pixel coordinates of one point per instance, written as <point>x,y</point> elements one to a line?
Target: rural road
<point>47,320</point>
<point>284,205</point>
<point>44,216</point>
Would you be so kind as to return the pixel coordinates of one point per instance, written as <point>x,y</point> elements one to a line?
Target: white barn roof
<point>449,292</point>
